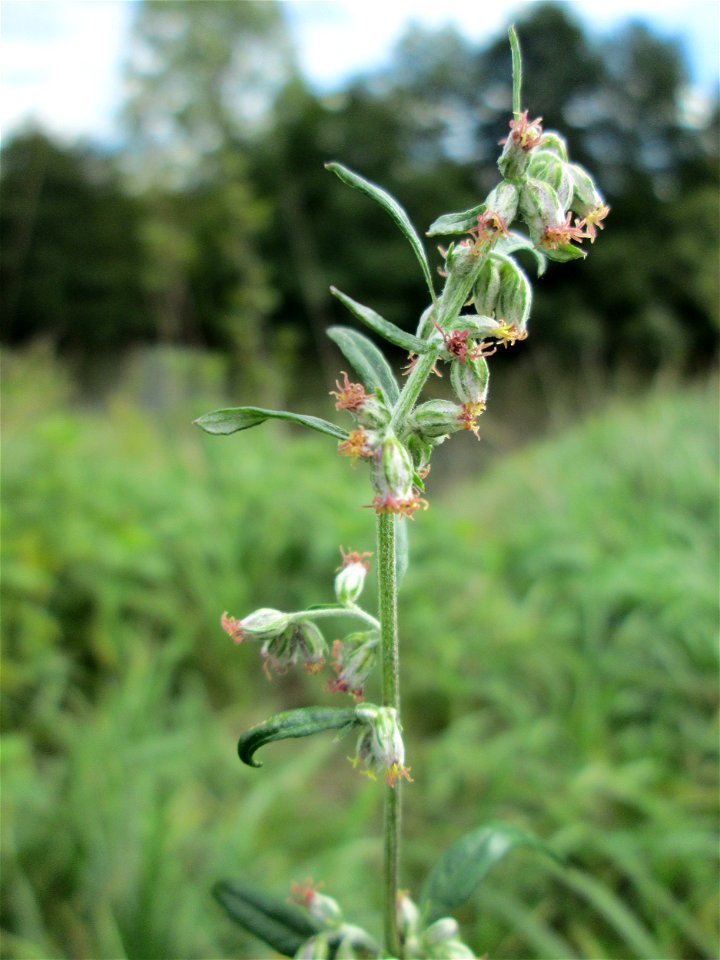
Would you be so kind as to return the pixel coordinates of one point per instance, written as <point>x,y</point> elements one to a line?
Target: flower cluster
<point>439,940</point>
<point>380,748</point>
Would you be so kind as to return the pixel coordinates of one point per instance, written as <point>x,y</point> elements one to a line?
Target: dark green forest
<point>214,224</point>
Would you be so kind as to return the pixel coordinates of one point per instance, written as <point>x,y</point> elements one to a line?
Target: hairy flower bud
<point>515,295</point>
<point>540,208</point>
<point>373,414</point>
<point>301,643</point>
<point>350,579</point>
<point>503,201</point>
<point>524,136</point>
<point>408,916</point>
<point>554,142</point>
<point>444,929</point>
<point>393,476</point>
<point>436,418</point>
<point>548,167</point>
<point>316,948</point>
<point>263,624</point>
<point>486,289</point>
<point>321,908</point>
<point>470,380</point>
<point>380,747</point>
<point>354,659</point>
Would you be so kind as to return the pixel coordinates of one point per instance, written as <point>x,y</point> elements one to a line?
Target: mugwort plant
<point>484,303</point>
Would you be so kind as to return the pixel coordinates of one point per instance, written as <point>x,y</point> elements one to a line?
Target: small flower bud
<point>586,196</point>
<point>263,624</point>
<point>524,137</point>
<point>470,380</point>
<point>487,287</point>
<point>436,418</point>
<point>354,659</point>
<point>555,143</point>
<point>373,414</point>
<point>380,746</point>
<point>350,580</point>
<point>393,477</point>
<point>301,643</point>
<point>421,451</point>
<point>515,296</point>
<point>321,908</point>
<point>549,168</point>
<point>444,929</point>
<point>503,201</point>
<point>540,208</point>
<point>408,916</point>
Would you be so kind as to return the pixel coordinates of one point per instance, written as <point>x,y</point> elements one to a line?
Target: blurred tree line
<point>216,226</point>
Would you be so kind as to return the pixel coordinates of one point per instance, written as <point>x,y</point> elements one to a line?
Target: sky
<point>61,60</point>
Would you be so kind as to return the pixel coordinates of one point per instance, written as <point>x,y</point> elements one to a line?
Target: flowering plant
<point>396,434</point>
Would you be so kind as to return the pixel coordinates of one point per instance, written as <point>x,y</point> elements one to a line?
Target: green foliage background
<point>558,625</point>
<point>559,620</point>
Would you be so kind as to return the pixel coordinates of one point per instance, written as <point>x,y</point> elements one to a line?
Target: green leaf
<point>380,325</point>
<point>367,360</point>
<point>516,71</point>
<point>242,418</point>
<point>281,925</point>
<point>463,866</point>
<point>290,724</point>
<point>460,222</point>
<point>565,253</point>
<point>517,241</point>
<point>391,206</point>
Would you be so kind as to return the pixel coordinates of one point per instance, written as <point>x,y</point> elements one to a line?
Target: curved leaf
<point>460,222</point>
<point>463,866</point>
<point>391,206</point>
<point>290,724</point>
<point>565,253</point>
<point>280,924</point>
<point>380,325</point>
<point>368,361</point>
<point>233,419</point>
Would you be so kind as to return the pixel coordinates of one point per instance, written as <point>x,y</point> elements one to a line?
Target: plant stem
<point>411,391</point>
<point>387,589</point>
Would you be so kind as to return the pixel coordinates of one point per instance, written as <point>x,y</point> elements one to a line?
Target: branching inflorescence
<point>485,302</point>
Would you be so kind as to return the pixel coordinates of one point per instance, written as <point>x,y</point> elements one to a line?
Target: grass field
<point>559,628</point>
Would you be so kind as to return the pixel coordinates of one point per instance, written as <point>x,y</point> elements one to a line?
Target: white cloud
<point>60,64</point>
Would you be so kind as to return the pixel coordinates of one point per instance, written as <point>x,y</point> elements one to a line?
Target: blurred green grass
<point>559,627</point>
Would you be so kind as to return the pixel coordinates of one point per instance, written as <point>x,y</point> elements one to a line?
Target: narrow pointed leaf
<point>517,241</point>
<point>233,419</point>
<point>450,223</point>
<point>565,253</point>
<point>290,724</point>
<point>464,865</point>
<point>281,925</point>
<point>380,325</point>
<point>391,206</point>
<point>367,360</point>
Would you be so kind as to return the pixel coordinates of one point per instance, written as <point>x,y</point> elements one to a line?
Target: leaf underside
<point>290,724</point>
<point>381,326</point>
<point>392,207</point>
<point>281,925</point>
<point>464,865</point>
<point>367,360</point>
<point>233,419</point>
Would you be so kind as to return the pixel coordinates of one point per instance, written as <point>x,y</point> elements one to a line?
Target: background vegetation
<point>560,615</point>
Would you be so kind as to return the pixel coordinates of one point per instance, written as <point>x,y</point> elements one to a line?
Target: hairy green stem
<point>412,389</point>
<point>387,588</point>
<point>351,610</point>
